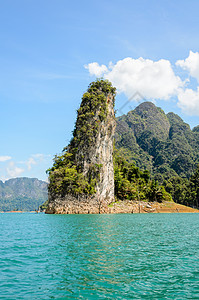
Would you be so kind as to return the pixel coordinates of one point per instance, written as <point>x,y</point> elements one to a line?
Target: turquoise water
<point>131,256</point>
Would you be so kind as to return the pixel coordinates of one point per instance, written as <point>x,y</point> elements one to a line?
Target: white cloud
<point>152,79</point>
<point>14,171</point>
<point>5,158</point>
<point>30,162</point>
<point>189,101</point>
<point>35,159</point>
<point>95,69</point>
<point>191,64</point>
<point>30,167</point>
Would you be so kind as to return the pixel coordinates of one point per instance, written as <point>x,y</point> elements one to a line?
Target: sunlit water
<point>133,256</point>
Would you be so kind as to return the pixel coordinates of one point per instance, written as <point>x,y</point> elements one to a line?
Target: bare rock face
<point>82,179</point>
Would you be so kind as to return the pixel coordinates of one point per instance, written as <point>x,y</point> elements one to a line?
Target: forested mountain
<point>166,146</point>
<point>22,193</point>
<point>159,142</point>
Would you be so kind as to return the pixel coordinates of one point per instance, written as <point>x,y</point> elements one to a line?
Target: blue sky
<point>51,50</point>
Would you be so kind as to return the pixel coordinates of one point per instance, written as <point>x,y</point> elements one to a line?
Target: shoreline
<point>118,207</point>
<point>149,207</point>
<point>126,207</point>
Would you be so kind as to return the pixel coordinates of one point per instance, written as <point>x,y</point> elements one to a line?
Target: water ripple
<point>129,256</point>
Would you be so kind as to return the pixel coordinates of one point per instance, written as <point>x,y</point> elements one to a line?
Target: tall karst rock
<point>82,178</point>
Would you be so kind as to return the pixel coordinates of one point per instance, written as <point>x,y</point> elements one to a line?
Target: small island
<point>82,178</point>
<point>92,177</point>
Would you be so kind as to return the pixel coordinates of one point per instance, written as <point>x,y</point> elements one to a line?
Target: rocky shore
<point>121,207</point>
<point>149,207</point>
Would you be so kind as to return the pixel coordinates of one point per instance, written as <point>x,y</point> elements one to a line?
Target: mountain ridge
<point>22,193</point>
<point>159,142</point>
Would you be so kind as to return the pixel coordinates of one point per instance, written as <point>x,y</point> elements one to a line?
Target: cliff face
<point>82,179</point>
<point>94,155</point>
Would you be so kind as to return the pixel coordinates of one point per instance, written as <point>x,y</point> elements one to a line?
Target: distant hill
<point>22,193</point>
<point>162,143</point>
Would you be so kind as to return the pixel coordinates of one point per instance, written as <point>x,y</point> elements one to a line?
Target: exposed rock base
<point>73,205</point>
<point>90,206</point>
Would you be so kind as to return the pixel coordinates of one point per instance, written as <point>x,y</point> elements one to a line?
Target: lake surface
<point>132,256</point>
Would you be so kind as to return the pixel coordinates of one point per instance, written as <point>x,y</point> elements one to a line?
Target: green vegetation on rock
<point>66,176</point>
<point>92,111</point>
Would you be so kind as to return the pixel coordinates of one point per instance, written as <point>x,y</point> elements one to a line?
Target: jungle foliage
<point>133,184</point>
<point>66,175</point>
<point>163,144</point>
<point>184,191</point>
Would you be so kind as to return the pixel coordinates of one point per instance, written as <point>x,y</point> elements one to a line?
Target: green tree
<point>193,189</point>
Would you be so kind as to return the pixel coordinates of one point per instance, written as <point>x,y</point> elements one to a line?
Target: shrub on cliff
<point>133,184</point>
<point>66,176</point>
